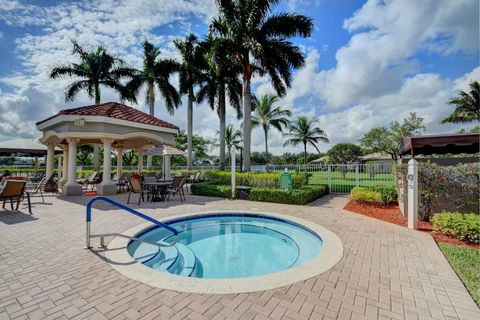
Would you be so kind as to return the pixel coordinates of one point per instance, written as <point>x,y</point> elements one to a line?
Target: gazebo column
<point>96,157</point>
<point>119,162</point>
<point>140,160</point>
<point>50,160</point>
<point>72,188</point>
<point>64,166</point>
<point>107,187</point>
<point>59,166</point>
<point>166,165</point>
<point>149,162</point>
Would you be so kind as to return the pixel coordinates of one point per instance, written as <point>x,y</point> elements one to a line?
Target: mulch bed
<point>392,214</point>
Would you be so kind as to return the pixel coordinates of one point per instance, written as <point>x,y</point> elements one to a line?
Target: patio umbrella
<point>165,151</point>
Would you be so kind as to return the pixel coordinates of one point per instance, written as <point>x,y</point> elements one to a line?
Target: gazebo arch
<point>111,124</point>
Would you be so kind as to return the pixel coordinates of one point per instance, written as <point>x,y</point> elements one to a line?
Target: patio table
<point>158,189</point>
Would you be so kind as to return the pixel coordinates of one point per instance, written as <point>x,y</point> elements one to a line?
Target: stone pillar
<point>50,160</point>
<point>166,165</point>
<point>65,166</point>
<point>140,160</point>
<point>119,162</point>
<point>72,188</point>
<point>59,167</point>
<point>412,179</point>
<point>149,162</point>
<point>107,187</point>
<point>96,157</point>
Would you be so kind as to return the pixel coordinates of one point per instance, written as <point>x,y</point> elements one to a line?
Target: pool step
<point>185,262</point>
<point>165,258</point>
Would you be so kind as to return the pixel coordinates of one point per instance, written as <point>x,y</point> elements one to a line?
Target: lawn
<point>466,263</point>
<point>345,182</point>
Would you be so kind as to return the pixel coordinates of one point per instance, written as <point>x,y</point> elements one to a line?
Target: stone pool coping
<point>119,258</point>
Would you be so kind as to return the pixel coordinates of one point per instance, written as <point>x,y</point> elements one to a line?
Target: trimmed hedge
<point>365,195</point>
<point>464,226</point>
<point>388,193</point>
<point>300,196</point>
<point>256,180</point>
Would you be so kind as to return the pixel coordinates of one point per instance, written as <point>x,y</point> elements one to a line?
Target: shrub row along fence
<point>451,188</point>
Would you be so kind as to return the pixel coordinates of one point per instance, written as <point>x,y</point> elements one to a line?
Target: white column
<point>412,179</point>
<point>65,165</point>
<point>233,167</point>
<point>50,160</point>
<point>107,161</point>
<point>140,160</point>
<point>107,187</point>
<point>119,162</point>
<point>59,167</point>
<point>72,187</point>
<point>167,174</point>
<point>96,157</point>
<point>149,162</point>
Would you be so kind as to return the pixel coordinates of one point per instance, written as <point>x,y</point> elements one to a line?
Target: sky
<point>368,63</point>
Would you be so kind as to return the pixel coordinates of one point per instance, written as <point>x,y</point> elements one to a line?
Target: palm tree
<point>190,76</point>
<point>266,116</point>
<point>232,139</point>
<point>220,77</point>
<point>467,105</point>
<point>156,71</point>
<point>303,130</point>
<point>94,69</point>
<point>258,39</point>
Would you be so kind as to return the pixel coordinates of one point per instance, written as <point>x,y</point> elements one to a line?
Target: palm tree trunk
<point>266,145</point>
<point>96,147</point>
<point>189,128</point>
<point>304,153</point>
<point>247,121</point>
<point>97,93</point>
<point>151,104</point>
<point>222,111</point>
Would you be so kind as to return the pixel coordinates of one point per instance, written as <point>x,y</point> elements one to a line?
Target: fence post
<point>329,177</point>
<point>412,178</point>
<point>356,176</point>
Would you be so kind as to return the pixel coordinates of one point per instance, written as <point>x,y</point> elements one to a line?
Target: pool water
<point>221,246</point>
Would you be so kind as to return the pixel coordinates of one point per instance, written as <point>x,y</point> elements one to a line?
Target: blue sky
<point>368,62</point>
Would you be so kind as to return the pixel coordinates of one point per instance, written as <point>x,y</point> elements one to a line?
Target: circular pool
<point>219,246</point>
<point>225,252</point>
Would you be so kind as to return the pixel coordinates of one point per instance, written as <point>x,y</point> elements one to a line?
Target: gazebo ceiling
<point>129,128</point>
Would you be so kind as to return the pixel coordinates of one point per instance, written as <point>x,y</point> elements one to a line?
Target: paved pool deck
<point>387,271</point>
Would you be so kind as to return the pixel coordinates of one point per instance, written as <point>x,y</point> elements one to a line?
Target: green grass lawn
<point>466,263</point>
<point>344,183</point>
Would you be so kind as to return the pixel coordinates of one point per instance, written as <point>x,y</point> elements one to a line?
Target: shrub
<point>459,225</point>
<point>388,193</point>
<point>256,180</point>
<point>296,196</point>
<point>211,190</point>
<point>365,195</point>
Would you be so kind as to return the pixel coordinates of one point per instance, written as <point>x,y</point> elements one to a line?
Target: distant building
<point>376,158</point>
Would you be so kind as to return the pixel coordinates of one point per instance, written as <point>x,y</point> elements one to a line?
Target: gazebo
<point>111,124</point>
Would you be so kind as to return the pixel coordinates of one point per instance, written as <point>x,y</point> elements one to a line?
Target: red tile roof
<point>116,111</point>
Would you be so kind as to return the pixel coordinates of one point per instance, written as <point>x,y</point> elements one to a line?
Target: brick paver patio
<point>387,272</point>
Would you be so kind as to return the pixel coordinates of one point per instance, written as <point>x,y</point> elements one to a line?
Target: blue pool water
<point>228,246</point>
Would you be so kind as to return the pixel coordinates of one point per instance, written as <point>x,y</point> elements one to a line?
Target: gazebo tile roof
<point>114,110</point>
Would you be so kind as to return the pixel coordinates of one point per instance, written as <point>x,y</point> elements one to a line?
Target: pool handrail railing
<point>125,208</point>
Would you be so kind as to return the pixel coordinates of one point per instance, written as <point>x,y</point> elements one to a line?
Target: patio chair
<point>44,185</point>
<point>121,181</point>
<point>201,177</point>
<point>39,175</point>
<point>177,187</point>
<point>14,190</point>
<point>91,180</point>
<point>136,187</point>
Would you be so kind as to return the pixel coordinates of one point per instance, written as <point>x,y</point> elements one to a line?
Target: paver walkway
<point>387,272</point>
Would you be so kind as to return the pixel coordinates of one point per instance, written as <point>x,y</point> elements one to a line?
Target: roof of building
<point>24,147</point>
<point>376,156</point>
<point>114,110</point>
<point>441,144</point>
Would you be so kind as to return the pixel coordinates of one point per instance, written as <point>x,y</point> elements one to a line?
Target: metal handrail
<point>130,210</point>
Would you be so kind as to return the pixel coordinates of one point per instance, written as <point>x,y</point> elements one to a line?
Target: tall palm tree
<point>258,38</point>
<point>467,105</point>
<point>232,139</point>
<point>96,68</point>
<point>156,72</point>
<point>266,116</point>
<point>303,130</point>
<point>190,76</point>
<point>220,77</point>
